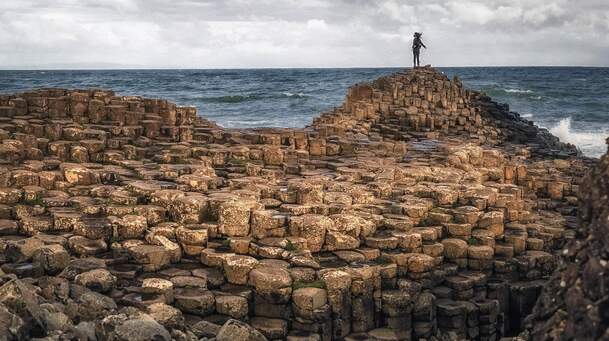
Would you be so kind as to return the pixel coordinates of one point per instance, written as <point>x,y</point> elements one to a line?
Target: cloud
<point>471,12</point>
<point>296,33</point>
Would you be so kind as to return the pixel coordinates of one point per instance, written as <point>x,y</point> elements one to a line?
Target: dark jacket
<point>417,43</point>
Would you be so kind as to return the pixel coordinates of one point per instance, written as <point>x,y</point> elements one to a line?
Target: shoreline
<point>279,98</point>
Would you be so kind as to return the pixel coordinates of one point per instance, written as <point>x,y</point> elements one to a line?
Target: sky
<point>300,33</point>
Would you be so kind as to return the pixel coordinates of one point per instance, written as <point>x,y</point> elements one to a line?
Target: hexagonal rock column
<point>237,268</point>
<point>272,292</point>
<point>312,227</point>
<point>338,286</point>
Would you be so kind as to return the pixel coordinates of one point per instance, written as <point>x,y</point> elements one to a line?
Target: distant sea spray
<point>589,142</point>
<point>573,103</point>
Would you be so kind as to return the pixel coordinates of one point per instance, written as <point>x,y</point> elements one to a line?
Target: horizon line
<point>292,68</point>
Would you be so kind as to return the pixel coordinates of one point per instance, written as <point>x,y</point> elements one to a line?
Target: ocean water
<point>573,103</point>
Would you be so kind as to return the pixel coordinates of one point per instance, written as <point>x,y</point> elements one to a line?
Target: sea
<point>572,102</point>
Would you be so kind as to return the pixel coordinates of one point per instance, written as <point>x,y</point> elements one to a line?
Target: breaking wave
<point>518,91</point>
<point>291,94</point>
<point>590,143</point>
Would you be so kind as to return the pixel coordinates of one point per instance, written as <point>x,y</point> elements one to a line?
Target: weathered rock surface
<point>416,210</point>
<point>573,304</point>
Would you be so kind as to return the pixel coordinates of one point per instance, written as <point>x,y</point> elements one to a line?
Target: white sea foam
<point>290,94</point>
<point>590,143</point>
<point>518,91</point>
<point>527,115</point>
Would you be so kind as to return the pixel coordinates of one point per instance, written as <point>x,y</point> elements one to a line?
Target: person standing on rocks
<point>416,48</point>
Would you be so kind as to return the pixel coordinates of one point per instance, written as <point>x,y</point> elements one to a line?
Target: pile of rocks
<point>410,212</point>
<point>425,103</point>
<point>573,304</point>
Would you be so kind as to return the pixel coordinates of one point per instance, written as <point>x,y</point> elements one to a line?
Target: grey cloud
<point>311,33</point>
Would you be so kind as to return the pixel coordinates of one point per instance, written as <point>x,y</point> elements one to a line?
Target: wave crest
<point>518,91</point>
<point>590,143</point>
<point>290,94</point>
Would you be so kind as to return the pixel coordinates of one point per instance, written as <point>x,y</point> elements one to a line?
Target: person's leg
<point>414,58</point>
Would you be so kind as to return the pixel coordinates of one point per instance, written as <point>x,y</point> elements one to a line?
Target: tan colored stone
<point>159,286</point>
<point>233,306</point>
<point>454,248</point>
<point>339,241</point>
<point>237,268</point>
<point>480,252</point>
<point>313,228</point>
<point>53,258</point>
<point>234,217</point>
<point>192,235</point>
<point>420,263</point>
<point>268,223</point>
<point>98,280</point>
<point>309,298</point>
<point>189,209</point>
<point>130,227</point>
<point>79,175</point>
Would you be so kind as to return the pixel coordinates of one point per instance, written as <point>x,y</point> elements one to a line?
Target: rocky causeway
<point>417,210</point>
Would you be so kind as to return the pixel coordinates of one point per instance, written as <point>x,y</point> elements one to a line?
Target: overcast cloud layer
<point>300,33</point>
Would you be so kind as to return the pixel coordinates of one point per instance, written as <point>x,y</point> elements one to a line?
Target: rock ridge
<point>417,210</point>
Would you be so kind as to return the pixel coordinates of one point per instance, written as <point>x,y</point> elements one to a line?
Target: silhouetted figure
<point>416,48</point>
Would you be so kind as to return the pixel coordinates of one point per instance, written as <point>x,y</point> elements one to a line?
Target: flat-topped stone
<point>417,209</point>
